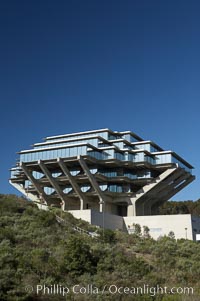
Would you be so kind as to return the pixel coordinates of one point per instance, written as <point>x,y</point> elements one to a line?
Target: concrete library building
<point>108,178</point>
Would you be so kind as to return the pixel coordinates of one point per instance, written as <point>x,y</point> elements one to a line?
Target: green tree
<point>107,235</point>
<point>78,258</point>
<point>137,230</point>
<point>171,235</point>
<point>146,231</point>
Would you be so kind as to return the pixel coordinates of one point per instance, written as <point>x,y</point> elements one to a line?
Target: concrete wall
<point>111,208</point>
<point>161,225</point>
<point>103,220</point>
<point>83,214</point>
<point>183,225</point>
<point>108,221</point>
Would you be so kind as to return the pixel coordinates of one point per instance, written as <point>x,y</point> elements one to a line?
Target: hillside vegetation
<point>36,250</point>
<point>181,207</point>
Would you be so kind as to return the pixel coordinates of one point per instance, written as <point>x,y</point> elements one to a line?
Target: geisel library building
<point>110,179</point>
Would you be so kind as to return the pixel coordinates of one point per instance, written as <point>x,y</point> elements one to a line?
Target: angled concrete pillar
<point>166,185</point>
<point>189,178</point>
<point>53,183</point>
<point>73,183</point>
<point>38,188</point>
<point>144,195</point>
<point>176,187</point>
<point>94,183</point>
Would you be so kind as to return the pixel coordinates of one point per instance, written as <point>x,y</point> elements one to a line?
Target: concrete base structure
<point>183,225</point>
<point>101,219</point>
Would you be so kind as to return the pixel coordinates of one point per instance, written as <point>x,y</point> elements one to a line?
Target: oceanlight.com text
<point>111,289</point>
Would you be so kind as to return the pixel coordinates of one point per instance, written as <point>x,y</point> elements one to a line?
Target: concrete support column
<point>73,183</point>
<point>53,182</point>
<point>62,204</point>
<point>28,173</point>
<point>102,198</point>
<point>131,210</point>
<point>82,204</point>
<point>102,205</point>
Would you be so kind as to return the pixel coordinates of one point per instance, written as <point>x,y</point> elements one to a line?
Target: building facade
<point>118,173</point>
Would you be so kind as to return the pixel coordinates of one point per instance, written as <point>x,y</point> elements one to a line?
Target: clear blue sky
<point>68,66</point>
